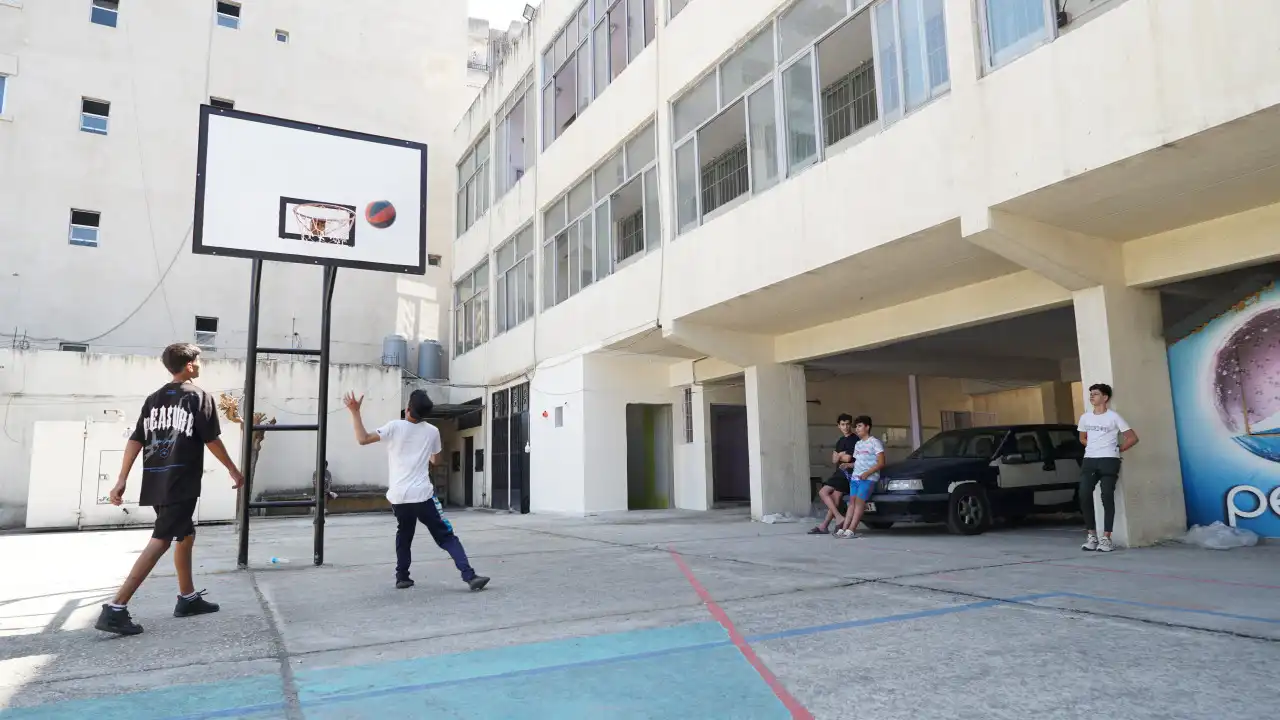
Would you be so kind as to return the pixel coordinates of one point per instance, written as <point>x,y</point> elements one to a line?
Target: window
<point>1012,28</point>
<point>596,45</point>
<point>473,184</point>
<point>229,15</point>
<point>559,416</point>
<point>805,21</point>
<point>282,36</point>
<point>93,116</point>
<point>84,228</point>
<point>104,12</point>
<point>206,332</point>
<point>471,310</point>
<point>912,36</point>
<point>688,415</point>
<point>222,103</point>
<point>675,6</point>
<point>433,260</point>
<point>73,347</point>
<point>609,217</point>
<point>4,81</point>
<point>516,149</point>
<point>515,280</point>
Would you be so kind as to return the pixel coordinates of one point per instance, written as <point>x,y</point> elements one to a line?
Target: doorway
<point>730,464</point>
<point>469,470</point>
<point>650,463</point>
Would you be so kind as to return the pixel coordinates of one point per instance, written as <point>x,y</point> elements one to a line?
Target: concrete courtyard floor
<point>646,615</point>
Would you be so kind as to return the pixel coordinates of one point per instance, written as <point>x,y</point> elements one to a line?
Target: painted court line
<point>788,700</point>
<point>1193,611</point>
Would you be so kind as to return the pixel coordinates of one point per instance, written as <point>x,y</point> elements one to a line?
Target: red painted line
<point>1210,581</point>
<point>788,700</point>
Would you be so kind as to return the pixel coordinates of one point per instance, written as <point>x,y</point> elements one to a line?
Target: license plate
<point>871,507</point>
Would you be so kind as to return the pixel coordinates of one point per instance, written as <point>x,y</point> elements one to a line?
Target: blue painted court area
<point>691,670</point>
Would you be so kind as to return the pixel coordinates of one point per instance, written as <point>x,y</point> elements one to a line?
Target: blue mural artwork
<point>1226,399</point>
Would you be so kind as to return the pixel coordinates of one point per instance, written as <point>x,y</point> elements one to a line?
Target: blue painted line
<point>1152,606</point>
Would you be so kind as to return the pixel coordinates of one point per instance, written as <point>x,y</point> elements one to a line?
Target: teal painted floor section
<point>247,699</point>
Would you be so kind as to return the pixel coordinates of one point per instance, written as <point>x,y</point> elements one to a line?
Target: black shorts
<point>838,482</point>
<point>175,521</point>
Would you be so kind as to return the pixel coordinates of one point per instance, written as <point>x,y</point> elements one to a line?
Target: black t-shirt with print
<point>176,422</point>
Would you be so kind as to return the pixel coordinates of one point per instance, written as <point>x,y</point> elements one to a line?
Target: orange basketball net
<point>323,223</point>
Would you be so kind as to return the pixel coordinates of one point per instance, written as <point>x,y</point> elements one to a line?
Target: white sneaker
<point>1105,545</point>
<point>1091,543</point>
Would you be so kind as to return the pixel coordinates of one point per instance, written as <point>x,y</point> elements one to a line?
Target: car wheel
<point>968,512</point>
<point>878,524</point>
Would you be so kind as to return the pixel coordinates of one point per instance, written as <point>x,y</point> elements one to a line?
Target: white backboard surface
<point>253,170</point>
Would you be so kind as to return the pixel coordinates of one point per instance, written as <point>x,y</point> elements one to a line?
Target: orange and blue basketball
<point>380,213</point>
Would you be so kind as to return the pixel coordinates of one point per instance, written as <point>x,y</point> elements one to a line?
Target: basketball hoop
<point>323,223</point>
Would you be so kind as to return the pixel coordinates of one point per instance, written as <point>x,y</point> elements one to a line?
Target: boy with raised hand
<point>413,446</point>
<point>177,423</point>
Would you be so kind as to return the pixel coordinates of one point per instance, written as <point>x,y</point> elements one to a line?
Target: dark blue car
<point>968,478</point>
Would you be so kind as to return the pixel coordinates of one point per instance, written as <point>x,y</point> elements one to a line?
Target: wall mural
<point>1226,398</point>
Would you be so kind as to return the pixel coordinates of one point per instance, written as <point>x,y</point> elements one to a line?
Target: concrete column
<point>913,396</point>
<point>1119,331</point>
<point>1057,402</point>
<point>777,439</point>
<point>694,487</point>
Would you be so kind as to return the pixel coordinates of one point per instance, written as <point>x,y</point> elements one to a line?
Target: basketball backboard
<point>289,191</point>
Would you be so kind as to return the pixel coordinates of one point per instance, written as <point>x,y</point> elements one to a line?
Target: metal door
<point>103,452</point>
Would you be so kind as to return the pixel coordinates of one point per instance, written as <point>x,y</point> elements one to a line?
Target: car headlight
<point>898,485</point>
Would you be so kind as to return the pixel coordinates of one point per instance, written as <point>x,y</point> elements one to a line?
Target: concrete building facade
<point>692,233</point>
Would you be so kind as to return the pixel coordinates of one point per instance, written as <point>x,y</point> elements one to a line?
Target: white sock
<point>192,596</point>
<point>116,606</point>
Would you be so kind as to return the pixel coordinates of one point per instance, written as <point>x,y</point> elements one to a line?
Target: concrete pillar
<point>913,396</point>
<point>777,439</point>
<point>1119,331</point>
<point>1058,402</point>
<point>694,487</point>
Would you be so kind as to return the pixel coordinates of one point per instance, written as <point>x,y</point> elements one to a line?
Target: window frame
<point>73,347</point>
<point>471,313</point>
<point>209,337</point>
<point>232,22</point>
<point>72,226</point>
<point>526,98</point>
<point>518,274</point>
<point>96,6</point>
<point>282,36</point>
<point>4,94</point>
<point>473,184</point>
<point>85,114</point>
<point>223,103</point>
<point>990,62</point>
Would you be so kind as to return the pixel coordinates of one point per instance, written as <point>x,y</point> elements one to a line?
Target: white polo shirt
<point>409,450</point>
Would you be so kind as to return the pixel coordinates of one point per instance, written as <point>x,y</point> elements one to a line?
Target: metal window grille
<point>725,178</point>
<point>630,235</point>
<point>688,415</point>
<point>849,104</point>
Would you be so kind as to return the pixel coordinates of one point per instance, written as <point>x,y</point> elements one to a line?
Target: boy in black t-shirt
<point>837,485</point>
<point>178,422</point>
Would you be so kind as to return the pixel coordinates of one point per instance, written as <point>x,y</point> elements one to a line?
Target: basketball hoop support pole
<point>250,428</point>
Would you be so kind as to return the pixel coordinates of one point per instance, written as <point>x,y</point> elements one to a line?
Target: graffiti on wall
<point>1226,398</point>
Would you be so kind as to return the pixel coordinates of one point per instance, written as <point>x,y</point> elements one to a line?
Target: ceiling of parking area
<point>1225,170</point>
<point>921,265</point>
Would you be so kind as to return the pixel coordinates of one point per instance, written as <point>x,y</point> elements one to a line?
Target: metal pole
<point>322,411</point>
<point>246,412</point>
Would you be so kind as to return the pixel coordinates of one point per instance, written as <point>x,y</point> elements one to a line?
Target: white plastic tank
<point>430,360</point>
<point>395,351</point>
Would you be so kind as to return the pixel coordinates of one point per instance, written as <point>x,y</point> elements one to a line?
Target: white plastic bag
<point>778,518</point>
<point>1220,537</point>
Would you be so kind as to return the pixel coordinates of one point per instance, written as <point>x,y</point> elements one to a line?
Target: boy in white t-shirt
<point>413,446</point>
<point>1104,435</point>
<point>863,472</point>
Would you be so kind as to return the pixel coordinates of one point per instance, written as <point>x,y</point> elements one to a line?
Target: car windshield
<point>975,443</point>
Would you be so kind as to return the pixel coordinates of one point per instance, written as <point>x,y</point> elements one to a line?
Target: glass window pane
<point>652,221</point>
<point>676,6</point>
<point>482,150</point>
<point>586,239</point>
<point>506,165</point>
<point>601,51</point>
<point>935,44</point>
<point>584,78</point>
<point>548,114</point>
<point>561,49</point>
<point>584,23</point>
<point>604,259</point>
<point>548,275</point>
<point>617,39</point>
<point>554,220</point>
<point>500,303</point>
<point>635,27</point>
<point>641,150</point>
<point>762,116</point>
<point>686,187</point>
<point>694,107</point>
<point>609,175</point>
<point>805,21</point>
<point>887,78</point>
<point>527,289</point>
<point>911,35</point>
<point>562,267</point>
<point>462,211</point>
<point>506,258</point>
<point>575,260</point>
<point>1014,27</point>
<point>524,243</point>
<point>745,67</point>
<point>802,138</point>
<point>580,199</point>
<point>599,8</point>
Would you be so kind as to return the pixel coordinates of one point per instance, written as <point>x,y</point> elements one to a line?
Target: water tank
<point>395,351</point>
<point>430,360</point>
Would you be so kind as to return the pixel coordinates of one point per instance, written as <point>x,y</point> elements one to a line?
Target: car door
<point>1068,454</point>
<point>1024,462</point>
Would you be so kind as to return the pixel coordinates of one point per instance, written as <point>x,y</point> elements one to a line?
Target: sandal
<point>817,531</point>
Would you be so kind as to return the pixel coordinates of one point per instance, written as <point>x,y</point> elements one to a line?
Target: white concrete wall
<point>557,459</point>
<point>50,385</point>
<point>380,66</point>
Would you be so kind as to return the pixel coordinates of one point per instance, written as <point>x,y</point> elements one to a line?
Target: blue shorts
<point>861,489</point>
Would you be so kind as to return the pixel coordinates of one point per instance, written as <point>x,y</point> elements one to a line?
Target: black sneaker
<point>404,584</point>
<point>478,582</point>
<point>195,606</point>
<point>117,621</point>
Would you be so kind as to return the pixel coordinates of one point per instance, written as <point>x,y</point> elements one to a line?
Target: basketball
<point>380,213</point>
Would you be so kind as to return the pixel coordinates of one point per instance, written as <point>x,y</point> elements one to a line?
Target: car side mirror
<point>1021,458</point>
